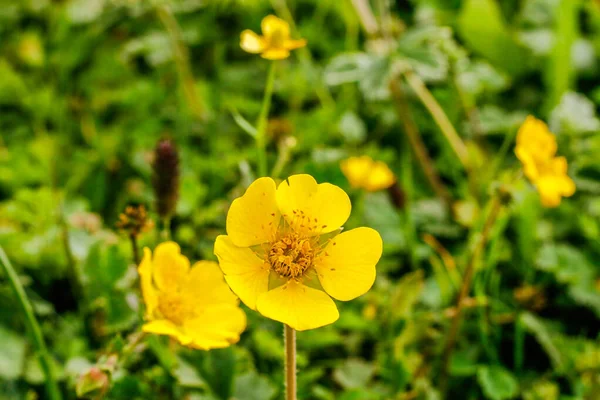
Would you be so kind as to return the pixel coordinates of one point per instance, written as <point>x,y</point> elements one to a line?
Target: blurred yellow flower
<point>275,44</point>
<point>362,172</point>
<point>536,149</point>
<point>193,305</point>
<point>535,146</point>
<point>284,254</point>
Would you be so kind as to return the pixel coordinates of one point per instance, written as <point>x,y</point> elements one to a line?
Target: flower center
<point>277,39</point>
<point>291,255</point>
<point>172,307</point>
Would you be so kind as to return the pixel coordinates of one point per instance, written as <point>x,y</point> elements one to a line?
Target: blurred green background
<point>87,87</point>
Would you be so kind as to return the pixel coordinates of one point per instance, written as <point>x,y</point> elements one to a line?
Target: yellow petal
<point>549,191</point>
<point>356,170</point>
<point>164,327</point>
<point>298,306</point>
<point>530,167</point>
<point>273,26</point>
<point>216,327</point>
<point>292,44</point>
<point>245,273</point>
<point>316,209</point>
<point>251,42</point>
<point>567,186</point>
<point>273,53</point>
<point>535,138</point>
<point>559,165</point>
<point>170,266</point>
<point>205,286</point>
<point>254,217</point>
<point>380,177</point>
<point>148,290</point>
<point>346,267</point>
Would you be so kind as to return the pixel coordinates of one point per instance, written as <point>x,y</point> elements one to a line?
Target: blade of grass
<point>33,326</point>
<point>439,116</point>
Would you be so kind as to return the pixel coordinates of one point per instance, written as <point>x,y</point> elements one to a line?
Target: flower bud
<point>166,177</point>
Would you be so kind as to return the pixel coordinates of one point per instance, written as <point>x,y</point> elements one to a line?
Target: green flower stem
<point>519,341</point>
<point>34,328</point>
<point>261,124</point>
<point>289,335</point>
<point>165,232</point>
<point>304,54</point>
<point>408,225</point>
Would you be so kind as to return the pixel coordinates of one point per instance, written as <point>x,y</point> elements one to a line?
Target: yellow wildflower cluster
<point>275,42</point>
<point>536,149</point>
<point>284,255</point>
<point>193,305</point>
<point>365,173</point>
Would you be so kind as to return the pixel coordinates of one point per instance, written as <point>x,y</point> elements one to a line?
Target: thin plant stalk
<point>135,252</point>
<point>33,326</point>
<point>492,217</point>
<point>439,116</point>
<point>408,187</point>
<point>417,145</point>
<point>261,123</point>
<point>304,54</point>
<point>165,232</point>
<point>366,16</point>
<point>519,340</point>
<point>289,335</point>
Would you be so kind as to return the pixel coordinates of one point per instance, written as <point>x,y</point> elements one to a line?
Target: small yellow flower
<point>193,305</point>
<point>284,254</point>
<point>275,44</point>
<point>362,172</point>
<point>536,149</point>
<point>535,145</point>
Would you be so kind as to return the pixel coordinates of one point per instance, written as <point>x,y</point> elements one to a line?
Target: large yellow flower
<point>275,44</point>
<point>284,254</point>
<point>364,173</point>
<point>193,305</point>
<point>536,149</point>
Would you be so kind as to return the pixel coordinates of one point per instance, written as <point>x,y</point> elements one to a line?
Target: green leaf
<point>574,115</point>
<point>354,373</point>
<point>497,382</point>
<point>482,28</point>
<point>352,128</point>
<point>252,386</point>
<point>187,375</point>
<point>538,329</point>
<point>12,354</point>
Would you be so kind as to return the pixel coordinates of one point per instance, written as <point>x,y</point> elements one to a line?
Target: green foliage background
<point>87,87</point>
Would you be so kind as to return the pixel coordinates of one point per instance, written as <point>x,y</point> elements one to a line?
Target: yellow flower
<point>284,254</point>
<point>363,172</point>
<point>275,44</point>
<point>535,146</point>
<point>193,305</point>
<point>536,149</point>
<point>554,183</point>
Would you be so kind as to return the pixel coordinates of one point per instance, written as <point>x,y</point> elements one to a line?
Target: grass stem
<point>44,358</point>
<point>261,123</point>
